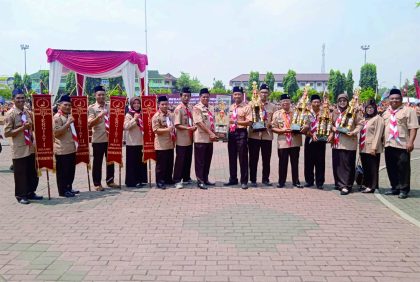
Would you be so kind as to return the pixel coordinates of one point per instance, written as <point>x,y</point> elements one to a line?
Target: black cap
<point>284,97</point>
<point>162,99</point>
<point>204,91</point>
<point>237,89</point>
<point>65,98</point>
<point>315,97</point>
<point>17,91</point>
<point>395,91</point>
<point>98,88</point>
<point>185,90</point>
<point>264,86</point>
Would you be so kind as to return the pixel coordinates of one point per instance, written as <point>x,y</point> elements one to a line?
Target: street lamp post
<point>24,47</point>
<point>365,48</point>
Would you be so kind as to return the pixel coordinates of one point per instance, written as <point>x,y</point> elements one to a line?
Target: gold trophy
<point>301,112</point>
<point>325,123</point>
<point>257,107</point>
<point>350,114</point>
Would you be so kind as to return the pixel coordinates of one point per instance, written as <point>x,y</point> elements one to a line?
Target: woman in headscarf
<point>371,146</point>
<point>136,169</point>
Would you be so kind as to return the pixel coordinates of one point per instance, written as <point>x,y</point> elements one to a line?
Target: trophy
<point>350,113</point>
<point>221,110</point>
<point>257,107</point>
<point>325,123</point>
<point>301,112</point>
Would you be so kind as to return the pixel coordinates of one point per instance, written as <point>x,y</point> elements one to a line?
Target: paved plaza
<point>223,234</point>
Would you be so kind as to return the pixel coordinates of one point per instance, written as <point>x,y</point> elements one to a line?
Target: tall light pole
<point>365,48</point>
<point>24,47</point>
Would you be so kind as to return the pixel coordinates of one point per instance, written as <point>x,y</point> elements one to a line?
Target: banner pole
<point>48,184</point>
<point>87,170</point>
<point>150,174</point>
<point>119,178</point>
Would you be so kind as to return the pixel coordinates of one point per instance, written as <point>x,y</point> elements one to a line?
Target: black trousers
<point>398,167</point>
<point>99,151</point>
<point>344,167</point>
<point>135,168</point>
<point>182,169</point>
<point>238,147</point>
<point>370,166</point>
<point>284,155</point>
<point>164,166</point>
<point>203,153</point>
<point>254,147</point>
<point>65,171</point>
<point>26,176</point>
<point>314,154</point>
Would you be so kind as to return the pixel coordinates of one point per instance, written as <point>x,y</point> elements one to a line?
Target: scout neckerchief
<point>362,138</point>
<point>139,120</point>
<point>106,118</point>
<point>190,119</point>
<point>286,118</point>
<point>233,126</point>
<point>168,124</point>
<point>265,115</point>
<point>72,129</point>
<point>211,119</point>
<point>393,126</point>
<point>26,133</point>
<point>337,124</point>
<point>313,124</point>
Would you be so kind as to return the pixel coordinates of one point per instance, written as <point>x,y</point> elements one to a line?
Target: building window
<point>302,83</point>
<point>319,84</point>
<point>279,84</point>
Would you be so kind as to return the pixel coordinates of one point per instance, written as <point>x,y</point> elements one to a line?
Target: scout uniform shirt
<point>13,120</point>
<point>134,136</point>
<point>374,135</point>
<point>183,116</point>
<point>280,121</point>
<point>270,108</point>
<point>162,141</point>
<point>99,134</point>
<point>243,112</point>
<point>202,113</point>
<point>63,144</point>
<point>406,120</point>
<point>346,142</point>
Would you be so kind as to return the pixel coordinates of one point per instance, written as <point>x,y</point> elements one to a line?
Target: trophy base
<point>295,128</point>
<point>322,139</point>
<point>342,130</point>
<point>258,126</point>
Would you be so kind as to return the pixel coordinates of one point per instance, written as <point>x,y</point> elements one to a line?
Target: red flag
<point>148,108</point>
<point>116,126</point>
<point>416,84</point>
<point>79,111</point>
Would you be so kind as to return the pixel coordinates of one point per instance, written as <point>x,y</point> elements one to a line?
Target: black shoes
<point>208,183</point>
<point>307,185</point>
<point>392,192</point>
<point>35,197</point>
<point>320,187</point>
<point>280,185</point>
<point>267,183</point>
<point>297,185</point>
<point>254,184</point>
<point>160,186</point>
<point>140,185</point>
<point>67,194</point>
<point>244,186</point>
<point>403,195</point>
<point>23,201</point>
<point>345,191</point>
<point>202,186</point>
<point>75,191</point>
<point>230,183</point>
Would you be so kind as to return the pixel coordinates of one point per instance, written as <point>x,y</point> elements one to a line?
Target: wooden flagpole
<point>48,184</point>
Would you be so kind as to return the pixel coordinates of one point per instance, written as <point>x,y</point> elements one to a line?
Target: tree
<point>113,82</point>
<point>90,84</point>
<point>270,80</point>
<point>70,83</point>
<point>185,80</point>
<point>195,85</point>
<point>366,94</point>
<point>368,78</point>
<point>349,84</point>
<point>253,76</point>
<point>6,93</point>
<point>418,76</point>
<point>275,96</point>
<point>290,84</point>
<point>218,87</point>
<point>27,82</point>
<point>17,82</point>
<point>336,84</point>
<point>45,78</point>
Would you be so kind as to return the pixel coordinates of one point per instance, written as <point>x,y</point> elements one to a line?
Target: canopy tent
<point>97,64</point>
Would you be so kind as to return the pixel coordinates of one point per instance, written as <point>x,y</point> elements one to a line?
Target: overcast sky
<point>220,39</point>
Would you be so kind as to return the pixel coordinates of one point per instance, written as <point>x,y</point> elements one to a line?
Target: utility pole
<point>24,47</point>
<point>365,48</point>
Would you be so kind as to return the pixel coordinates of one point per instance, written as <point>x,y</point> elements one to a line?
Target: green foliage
<point>27,82</point>
<point>349,84</point>
<point>218,84</point>
<point>253,76</point>
<point>336,84</point>
<point>70,83</point>
<point>367,94</point>
<point>113,82</point>
<point>417,4</point>
<point>270,80</point>
<point>17,83</point>
<point>185,80</point>
<point>368,77</point>
<point>160,91</point>
<point>90,84</point>
<point>299,94</point>
<point>418,76</point>
<point>275,96</point>
<point>290,84</point>
<point>6,93</point>
<point>116,92</point>
<point>409,89</point>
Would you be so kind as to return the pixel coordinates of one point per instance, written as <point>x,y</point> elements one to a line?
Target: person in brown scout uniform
<point>64,148</point>
<point>371,146</point>
<point>185,128</point>
<point>401,126</point>
<point>344,147</point>
<point>288,143</point>
<point>18,126</point>
<point>261,140</point>
<point>135,168</point>
<point>163,127</point>
<point>240,118</point>
<point>314,151</point>
<point>204,137</point>
<point>98,121</point>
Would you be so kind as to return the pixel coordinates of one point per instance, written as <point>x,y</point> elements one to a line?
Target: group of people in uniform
<point>190,130</point>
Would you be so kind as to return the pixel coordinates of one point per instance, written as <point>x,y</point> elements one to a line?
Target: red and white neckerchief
<point>286,118</point>
<point>211,119</point>
<point>106,118</point>
<point>265,115</point>
<point>233,126</point>
<point>393,126</point>
<point>314,123</point>
<point>139,120</point>
<point>337,134</point>
<point>169,123</point>
<point>26,133</point>
<point>190,120</point>
<point>362,139</point>
<point>72,130</point>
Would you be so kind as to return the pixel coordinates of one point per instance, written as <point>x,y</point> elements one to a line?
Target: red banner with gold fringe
<point>43,128</point>
<point>79,111</point>
<point>116,127</point>
<point>148,109</point>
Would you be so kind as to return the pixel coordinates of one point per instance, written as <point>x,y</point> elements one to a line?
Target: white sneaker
<point>179,185</point>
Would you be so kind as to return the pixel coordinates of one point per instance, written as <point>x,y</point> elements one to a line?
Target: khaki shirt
<point>278,121</point>
<point>162,141</point>
<point>268,134</point>
<point>243,113</point>
<point>348,142</point>
<point>99,134</point>
<point>134,136</point>
<point>201,114</point>
<point>63,144</point>
<point>13,120</point>
<point>374,135</point>
<point>183,137</point>
<point>406,119</point>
